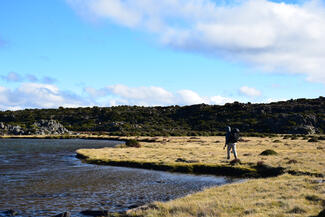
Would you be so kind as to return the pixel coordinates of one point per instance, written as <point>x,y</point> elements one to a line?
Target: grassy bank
<point>299,191</point>
<point>294,156</point>
<point>281,196</point>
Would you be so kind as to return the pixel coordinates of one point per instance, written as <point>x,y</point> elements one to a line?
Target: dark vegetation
<point>132,143</point>
<point>269,152</point>
<point>300,116</point>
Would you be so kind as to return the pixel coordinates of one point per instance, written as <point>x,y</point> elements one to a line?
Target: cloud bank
<point>152,96</point>
<point>249,91</point>
<point>40,95</point>
<point>275,37</point>
<point>36,95</point>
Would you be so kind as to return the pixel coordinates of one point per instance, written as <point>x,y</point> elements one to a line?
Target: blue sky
<point>109,52</point>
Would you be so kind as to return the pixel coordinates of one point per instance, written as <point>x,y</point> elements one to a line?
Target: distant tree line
<point>300,116</point>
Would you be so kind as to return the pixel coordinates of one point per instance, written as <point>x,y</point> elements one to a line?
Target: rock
<point>305,129</point>
<point>95,212</point>
<point>64,214</point>
<point>44,127</point>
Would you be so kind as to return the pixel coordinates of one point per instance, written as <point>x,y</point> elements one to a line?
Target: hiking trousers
<point>231,146</point>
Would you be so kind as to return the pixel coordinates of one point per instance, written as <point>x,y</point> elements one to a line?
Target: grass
<point>293,155</point>
<point>279,196</point>
<point>299,191</point>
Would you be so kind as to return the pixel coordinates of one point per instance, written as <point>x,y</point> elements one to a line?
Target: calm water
<point>40,177</point>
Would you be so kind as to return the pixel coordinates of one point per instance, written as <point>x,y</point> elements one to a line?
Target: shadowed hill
<point>300,116</point>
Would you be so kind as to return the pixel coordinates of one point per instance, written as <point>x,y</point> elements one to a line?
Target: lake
<point>43,177</point>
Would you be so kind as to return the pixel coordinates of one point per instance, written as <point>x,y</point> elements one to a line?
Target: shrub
<point>313,198</point>
<point>297,210</point>
<point>132,143</point>
<point>294,137</point>
<point>321,138</point>
<point>313,139</point>
<point>276,141</point>
<point>269,152</point>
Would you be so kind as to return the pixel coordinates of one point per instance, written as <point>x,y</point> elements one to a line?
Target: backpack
<point>234,136</point>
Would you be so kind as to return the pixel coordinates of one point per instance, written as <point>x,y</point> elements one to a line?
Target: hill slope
<point>300,116</point>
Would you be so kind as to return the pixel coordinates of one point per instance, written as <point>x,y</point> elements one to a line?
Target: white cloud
<point>189,97</point>
<point>35,95</point>
<point>269,100</point>
<point>273,36</point>
<point>250,91</point>
<point>151,96</point>
<point>38,95</point>
<point>220,100</point>
<point>141,95</point>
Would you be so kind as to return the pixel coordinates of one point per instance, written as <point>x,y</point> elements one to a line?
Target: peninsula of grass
<point>287,182</point>
<point>206,155</point>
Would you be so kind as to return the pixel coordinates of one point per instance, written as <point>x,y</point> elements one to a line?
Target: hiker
<point>232,136</point>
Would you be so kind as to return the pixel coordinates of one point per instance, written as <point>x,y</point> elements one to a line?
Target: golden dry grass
<point>297,155</point>
<point>280,196</point>
<point>285,195</point>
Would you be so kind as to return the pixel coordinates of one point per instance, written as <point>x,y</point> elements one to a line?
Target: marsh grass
<point>308,157</point>
<point>299,194</point>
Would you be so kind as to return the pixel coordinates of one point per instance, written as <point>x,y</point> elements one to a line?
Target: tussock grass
<point>300,192</point>
<point>279,196</point>
<point>302,156</point>
<point>269,152</point>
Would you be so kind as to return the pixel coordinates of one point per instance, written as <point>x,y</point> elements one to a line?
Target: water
<point>42,177</point>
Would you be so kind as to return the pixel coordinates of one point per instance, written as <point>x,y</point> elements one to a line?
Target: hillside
<point>300,116</point>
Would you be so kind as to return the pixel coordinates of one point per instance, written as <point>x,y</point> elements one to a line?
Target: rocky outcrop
<point>45,127</point>
<point>293,124</point>
<point>11,129</point>
<point>42,127</point>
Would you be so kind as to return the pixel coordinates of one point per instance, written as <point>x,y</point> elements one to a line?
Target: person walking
<point>232,137</point>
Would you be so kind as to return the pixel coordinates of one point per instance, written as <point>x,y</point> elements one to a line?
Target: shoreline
<point>193,168</point>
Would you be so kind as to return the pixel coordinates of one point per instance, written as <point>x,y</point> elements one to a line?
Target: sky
<point>77,53</point>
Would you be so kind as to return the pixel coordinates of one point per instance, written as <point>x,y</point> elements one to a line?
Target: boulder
<point>44,127</point>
